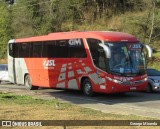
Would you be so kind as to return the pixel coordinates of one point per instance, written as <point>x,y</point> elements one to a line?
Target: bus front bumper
<point>119,87</point>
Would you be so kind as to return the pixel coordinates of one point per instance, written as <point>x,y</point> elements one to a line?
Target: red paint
<point>49,77</point>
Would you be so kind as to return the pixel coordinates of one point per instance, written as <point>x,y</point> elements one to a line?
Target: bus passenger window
<point>77,51</point>
<point>49,49</point>
<point>61,49</point>
<point>24,50</point>
<point>37,49</point>
<point>16,50</point>
<point>11,49</point>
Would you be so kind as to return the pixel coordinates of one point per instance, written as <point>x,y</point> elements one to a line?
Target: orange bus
<point>91,61</point>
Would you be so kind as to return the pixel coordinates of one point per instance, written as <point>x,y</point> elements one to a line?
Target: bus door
<point>11,62</point>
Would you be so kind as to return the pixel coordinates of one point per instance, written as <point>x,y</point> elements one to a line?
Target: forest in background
<point>26,18</point>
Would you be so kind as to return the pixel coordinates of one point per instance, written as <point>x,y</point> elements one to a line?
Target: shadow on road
<point>77,97</point>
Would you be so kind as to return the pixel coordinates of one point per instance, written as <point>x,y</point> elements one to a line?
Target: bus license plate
<point>132,88</point>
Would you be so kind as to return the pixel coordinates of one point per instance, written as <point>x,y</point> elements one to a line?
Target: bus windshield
<point>126,58</point>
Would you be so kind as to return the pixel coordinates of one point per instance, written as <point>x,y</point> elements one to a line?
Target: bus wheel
<point>28,83</point>
<point>149,88</point>
<point>87,87</point>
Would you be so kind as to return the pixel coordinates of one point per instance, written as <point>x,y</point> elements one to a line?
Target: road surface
<point>136,103</point>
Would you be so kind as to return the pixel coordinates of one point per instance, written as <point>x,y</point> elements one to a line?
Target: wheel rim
<point>87,88</point>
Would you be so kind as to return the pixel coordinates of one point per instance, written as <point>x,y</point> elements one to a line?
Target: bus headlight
<point>145,79</point>
<point>114,80</point>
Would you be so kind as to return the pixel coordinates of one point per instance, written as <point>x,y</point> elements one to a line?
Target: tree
<point>150,22</point>
<point>155,21</point>
<point>42,16</point>
<point>5,30</point>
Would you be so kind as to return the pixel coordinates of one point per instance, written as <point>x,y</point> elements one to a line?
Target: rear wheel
<point>149,88</point>
<point>28,83</point>
<point>87,87</point>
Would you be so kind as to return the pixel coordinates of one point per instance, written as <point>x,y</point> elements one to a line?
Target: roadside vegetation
<point>38,17</point>
<point>21,107</point>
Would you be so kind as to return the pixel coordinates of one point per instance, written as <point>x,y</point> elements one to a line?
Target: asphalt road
<point>136,103</point>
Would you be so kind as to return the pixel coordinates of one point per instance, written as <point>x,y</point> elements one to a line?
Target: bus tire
<point>149,88</point>
<point>87,88</point>
<point>28,83</point>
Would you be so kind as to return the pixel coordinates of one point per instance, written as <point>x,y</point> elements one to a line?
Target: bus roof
<point>110,36</point>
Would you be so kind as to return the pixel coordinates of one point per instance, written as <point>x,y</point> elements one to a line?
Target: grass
<point>12,99</point>
<point>155,64</point>
<point>157,54</point>
<point>21,107</point>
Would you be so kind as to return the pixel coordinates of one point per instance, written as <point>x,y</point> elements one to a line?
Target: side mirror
<point>149,50</point>
<point>107,50</point>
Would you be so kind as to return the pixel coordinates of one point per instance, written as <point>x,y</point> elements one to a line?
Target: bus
<point>91,61</point>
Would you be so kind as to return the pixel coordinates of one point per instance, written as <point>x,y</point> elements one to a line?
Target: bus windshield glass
<point>126,58</point>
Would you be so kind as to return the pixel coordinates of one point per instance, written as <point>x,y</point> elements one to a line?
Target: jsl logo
<point>49,63</point>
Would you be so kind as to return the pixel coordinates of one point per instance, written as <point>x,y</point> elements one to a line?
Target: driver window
<point>97,53</point>
<point>102,64</point>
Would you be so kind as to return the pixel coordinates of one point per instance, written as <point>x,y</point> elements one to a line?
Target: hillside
<point>37,17</point>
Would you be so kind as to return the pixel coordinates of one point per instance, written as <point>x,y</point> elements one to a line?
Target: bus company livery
<point>91,61</point>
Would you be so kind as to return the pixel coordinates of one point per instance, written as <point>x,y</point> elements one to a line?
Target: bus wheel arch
<point>25,77</point>
<point>86,86</point>
<point>28,83</point>
<point>149,88</point>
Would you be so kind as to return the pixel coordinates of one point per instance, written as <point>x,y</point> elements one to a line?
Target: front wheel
<point>28,83</point>
<point>149,88</point>
<point>87,87</point>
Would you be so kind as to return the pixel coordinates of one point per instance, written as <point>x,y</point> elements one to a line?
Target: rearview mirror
<point>149,50</point>
<point>107,50</point>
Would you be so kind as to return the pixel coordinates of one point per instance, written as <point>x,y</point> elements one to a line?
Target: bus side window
<point>61,49</point>
<point>16,50</point>
<point>37,49</point>
<point>11,49</point>
<point>77,51</point>
<point>24,50</point>
<point>49,49</point>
